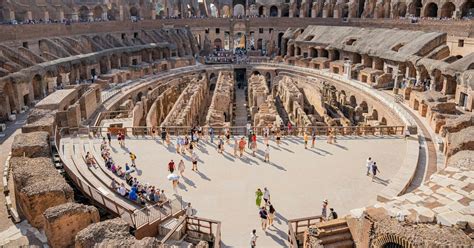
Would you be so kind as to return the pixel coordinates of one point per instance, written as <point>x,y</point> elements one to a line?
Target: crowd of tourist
<point>219,56</point>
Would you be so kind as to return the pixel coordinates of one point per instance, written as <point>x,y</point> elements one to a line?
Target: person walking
<point>266,195</point>
<point>313,139</point>
<point>109,137</point>
<point>271,214</point>
<point>236,146</point>
<point>181,167</point>
<point>171,166</point>
<point>254,147</point>
<point>267,154</point>
<point>305,138</point>
<point>220,145</point>
<point>249,137</point>
<point>242,146</point>
<point>133,157</point>
<point>369,163</point>
<point>253,239</point>
<point>375,169</point>
<point>194,159</point>
<point>278,138</point>
<point>324,210</point>
<point>263,217</point>
<point>211,134</point>
<point>259,195</point>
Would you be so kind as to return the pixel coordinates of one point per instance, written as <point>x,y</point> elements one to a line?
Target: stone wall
<point>32,145</point>
<point>222,100</point>
<point>64,221</point>
<point>38,186</point>
<point>161,107</point>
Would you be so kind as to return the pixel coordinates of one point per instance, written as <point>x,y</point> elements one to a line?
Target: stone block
<point>449,218</point>
<point>64,221</point>
<point>424,215</point>
<point>31,145</point>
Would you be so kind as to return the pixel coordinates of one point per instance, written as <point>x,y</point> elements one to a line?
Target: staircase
<point>241,112</point>
<point>333,234</point>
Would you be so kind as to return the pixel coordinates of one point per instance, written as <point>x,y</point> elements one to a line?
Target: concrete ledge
<point>405,175</point>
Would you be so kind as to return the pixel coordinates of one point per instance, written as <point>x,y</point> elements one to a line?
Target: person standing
<point>375,169</point>
<point>267,153</point>
<point>271,214</point>
<point>369,165</point>
<point>253,239</point>
<point>189,210</point>
<point>249,137</point>
<point>254,147</point>
<point>259,195</point>
<point>313,139</point>
<point>211,134</point>
<point>324,210</point>
<point>305,138</point>
<point>266,195</point>
<point>263,217</point>
<point>194,159</point>
<point>278,138</point>
<point>181,167</point>
<point>171,166</point>
<point>220,145</point>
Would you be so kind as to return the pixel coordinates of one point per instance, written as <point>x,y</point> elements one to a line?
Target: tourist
<point>369,163</point>
<point>181,167</point>
<point>271,214</point>
<point>278,138</point>
<point>249,137</point>
<point>263,217</point>
<point>211,134</point>
<point>266,195</point>
<point>313,139</point>
<point>242,146</point>
<point>171,166</point>
<point>178,145</point>
<point>189,210</point>
<point>109,137</point>
<point>324,210</point>
<point>123,139</point>
<point>407,133</point>
<point>199,131</point>
<point>375,169</point>
<point>163,135</point>
<point>253,239</point>
<point>289,128</point>
<point>248,128</point>
<point>122,191</point>
<point>305,138</point>
<point>236,145</point>
<point>227,136</point>
<point>90,159</point>
<point>267,153</point>
<point>220,145</point>
<point>153,132</point>
<point>259,195</point>
<point>133,157</point>
<point>190,147</point>
<point>194,159</point>
<point>253,147</point>
<point>163,197</point>
<point>119,138</point>
<point>175,185</point>
<point>332,214</point>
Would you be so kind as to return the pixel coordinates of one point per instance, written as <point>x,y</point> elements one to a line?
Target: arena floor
<point>298,180</point>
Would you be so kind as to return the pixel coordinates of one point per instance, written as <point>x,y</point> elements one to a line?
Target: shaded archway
<point>134,12</point>
<point>239,10</point>
<point>84,13</point>
<point>113,13</point>
<point>97,12</point>
<point>218,44</point>
<point>467,9</point>
<point>447,10</point>
<point>261,11</point>
<point>415,8</point>
<point>273,11</point>
<point>431,10</point>
<point>285,11</point>
<point>37,84</point>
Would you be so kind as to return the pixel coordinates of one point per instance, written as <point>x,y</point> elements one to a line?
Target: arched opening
<point>273,11</point>
<point>112,13</point>
<point>37,84</point>
<point>437,80</point>
<point>345,11</point>
<point>431,10</point>
<point>97,13</point>
<point>84,14</point>
<point>285,12</point>
<point>240,41</point>
<point>225,11</point>
<point>259,44</point>
<point>218,44</point>
<point>139,96</point>
<point>313,52</point>
<point>467,9</point>
<point>447,10</point>
<point>239,10</point>
<point>268,78</point>
<point>213,10</point>
<point>364,106</point>
<point>261,11</point>
<point>134,13</point>
<point>103,65</point>
<point>415,8</point>
<point>399,10</point>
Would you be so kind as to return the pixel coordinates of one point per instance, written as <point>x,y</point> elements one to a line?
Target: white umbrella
<point>173,177</point>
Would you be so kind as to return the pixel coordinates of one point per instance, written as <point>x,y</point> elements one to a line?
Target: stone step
<point>342,244</point>
<point>333,231</point>
<point>336,238</point>
<point>331,223</point>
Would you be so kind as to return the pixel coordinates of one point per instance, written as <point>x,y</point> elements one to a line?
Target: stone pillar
<point>313,13</point>
<point>104,16</point>
<point>46,15</point>
<point>90,16</point>
<point>29,16</point>
<point>279,12</point>
<point>65,78</point>
<point>325,13</point>
<point>51,82</point>
<point>75,16</point>
<point>336,14</point>
<point>11,15</point>
<point>61,15</point>
<point>121,13</point>
<point>347,69</point>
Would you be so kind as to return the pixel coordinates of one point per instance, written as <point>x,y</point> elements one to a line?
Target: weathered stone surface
<point>38,186</point>
<point>111,233</point>
<point>221,102</point>
<point>31,145</point>
<point>64,221</point>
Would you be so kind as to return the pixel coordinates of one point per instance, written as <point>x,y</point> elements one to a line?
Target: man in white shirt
<point>266,195</point>
<point>253,239</point>
<point>267,153</point>
<point>369,165</point>
<point>189,210</point>
<point>122,191</point>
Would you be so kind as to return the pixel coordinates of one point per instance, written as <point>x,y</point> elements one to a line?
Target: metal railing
<point>136,218</point>
<point>297,227</point>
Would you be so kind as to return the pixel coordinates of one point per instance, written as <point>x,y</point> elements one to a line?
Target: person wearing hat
<point>324,210</point>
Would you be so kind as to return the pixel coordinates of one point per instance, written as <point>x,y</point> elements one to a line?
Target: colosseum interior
<point>108,105</point>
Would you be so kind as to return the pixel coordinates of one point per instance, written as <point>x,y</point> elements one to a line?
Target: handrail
<point>293,233</point>
<point>181,220</point>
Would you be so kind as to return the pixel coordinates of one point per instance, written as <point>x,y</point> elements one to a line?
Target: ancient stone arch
<point>431,10</point>
<point>466,6</point>
<point>37,83</point>
<point>447,10</point>
<point>415,7</point>
<point>83,13</point>
<point>98,12</point>
<point>274,11</point>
